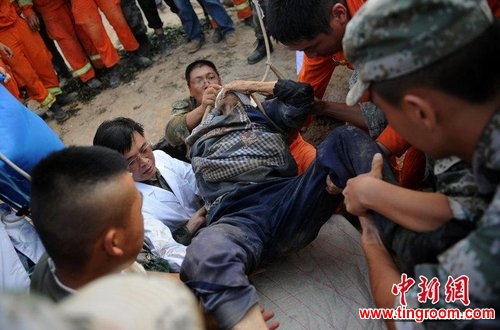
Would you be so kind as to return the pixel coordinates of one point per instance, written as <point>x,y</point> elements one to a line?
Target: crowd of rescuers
<point>40,38</point>
<point>243,165</point>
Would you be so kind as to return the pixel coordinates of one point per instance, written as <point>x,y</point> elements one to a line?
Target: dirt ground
<point>148,97</point>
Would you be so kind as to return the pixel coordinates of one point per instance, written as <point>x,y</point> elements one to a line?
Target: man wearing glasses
<point>168,186</point>
<point>204,83</point>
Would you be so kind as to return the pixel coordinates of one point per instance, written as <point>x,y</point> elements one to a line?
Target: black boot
<point>145,45</point>
<point>115,76</point>
<point>164,45</point>
<point>57,113</point>
<point>260,52</point>
<point>137,59</point>
<point>66,98</point>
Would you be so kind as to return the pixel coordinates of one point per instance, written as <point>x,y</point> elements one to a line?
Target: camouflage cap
<point>387,39</point>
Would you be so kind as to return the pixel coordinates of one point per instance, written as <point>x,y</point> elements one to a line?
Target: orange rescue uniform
<point>317,72</point>
<point>87,16</point>
<point>243,9</point>
<point>31,60</point>
<point>60,27</point>
<point>11,85</point>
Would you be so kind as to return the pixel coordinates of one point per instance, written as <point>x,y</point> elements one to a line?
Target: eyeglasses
<point>143,152</point>
<point>212,78</point>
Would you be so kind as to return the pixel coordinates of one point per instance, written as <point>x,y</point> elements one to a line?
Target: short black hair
<point>289,21</point>
<point>117,134</point>
<point>66,207</point>
<point>198,64</point>
<point>471,73</point>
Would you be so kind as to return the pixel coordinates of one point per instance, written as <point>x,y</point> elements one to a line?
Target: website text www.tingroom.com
<point>456,290</point>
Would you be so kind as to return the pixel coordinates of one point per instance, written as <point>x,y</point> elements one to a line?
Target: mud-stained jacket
<point>243,146</point>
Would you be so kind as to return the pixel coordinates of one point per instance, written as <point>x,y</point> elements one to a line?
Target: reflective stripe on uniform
<point>95,57</point>
<point>49,100</point>
<point>86,68</point>
<point>243,9</point>
<point>55,90</point>
<point>23,2</point>
<point>241,6</point>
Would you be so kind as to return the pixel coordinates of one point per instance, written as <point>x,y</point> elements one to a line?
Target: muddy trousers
<point>31,63</point>
<point>267,220</point>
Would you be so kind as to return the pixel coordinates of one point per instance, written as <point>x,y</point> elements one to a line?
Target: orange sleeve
<point>393,141</point>
<point>302,151</point>
<point>317,72</point>
<point>354,5</point>
<point>495,7</point>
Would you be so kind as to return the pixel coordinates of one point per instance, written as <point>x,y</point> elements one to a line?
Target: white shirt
<point>176,207</point>
<point>165,211</point>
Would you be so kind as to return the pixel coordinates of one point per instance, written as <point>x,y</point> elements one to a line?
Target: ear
<point>419,111</point>
<point>112,242</point>
<point>339,15</point>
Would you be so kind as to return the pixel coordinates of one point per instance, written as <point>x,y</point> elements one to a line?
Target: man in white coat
<point>168,186</point>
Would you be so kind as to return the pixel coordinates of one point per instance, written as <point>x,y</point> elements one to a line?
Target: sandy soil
<point>149,96</point>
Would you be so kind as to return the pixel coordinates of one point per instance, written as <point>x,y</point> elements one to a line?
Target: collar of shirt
<point>159,182</point>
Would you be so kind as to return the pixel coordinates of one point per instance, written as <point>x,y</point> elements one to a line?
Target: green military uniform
<point>176,130</point>
<point>389,39</point>
<point>478,254</point>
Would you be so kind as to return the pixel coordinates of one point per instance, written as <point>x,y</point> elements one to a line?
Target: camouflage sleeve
<point>374,118</point>
<point>373,115</point>
<point>477,257</point>
<point>454,178</point>
<point>176,130</point>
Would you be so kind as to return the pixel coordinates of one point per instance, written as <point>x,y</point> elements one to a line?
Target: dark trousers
<point>260,222</point>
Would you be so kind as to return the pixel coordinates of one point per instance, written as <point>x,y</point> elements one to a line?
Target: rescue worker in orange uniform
<point>289,23</point>
<point>30,61</point>
<point>60,27</point>
<point>322,54</point>
<point>87,16</point>
<point>6,74</point>
<point>243,11</point>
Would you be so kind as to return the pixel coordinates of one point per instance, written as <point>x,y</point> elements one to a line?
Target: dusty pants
<point>266,220</point>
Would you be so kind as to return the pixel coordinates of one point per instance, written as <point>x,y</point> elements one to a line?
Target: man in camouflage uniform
<point>204,82</point>
<point>415,57</point>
